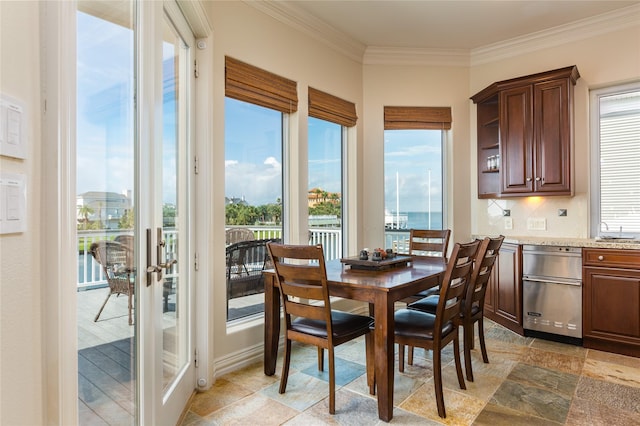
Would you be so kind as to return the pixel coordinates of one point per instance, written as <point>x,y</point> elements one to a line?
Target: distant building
<point>316,196</point>
<point>108,207</point>
<point>235,200</point>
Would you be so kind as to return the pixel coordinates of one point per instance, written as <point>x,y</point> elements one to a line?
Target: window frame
<point>595,95</point>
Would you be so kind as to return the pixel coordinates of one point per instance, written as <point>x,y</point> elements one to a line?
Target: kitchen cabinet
<point>525,134</point>
<point>611,300</point>
<point>503,299</point>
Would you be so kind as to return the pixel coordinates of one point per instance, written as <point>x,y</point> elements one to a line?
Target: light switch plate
<point>536,224</point>
<point>508,223</point>
<point>13,200</point>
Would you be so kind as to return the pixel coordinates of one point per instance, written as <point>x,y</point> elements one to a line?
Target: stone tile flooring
<point>527,382</point>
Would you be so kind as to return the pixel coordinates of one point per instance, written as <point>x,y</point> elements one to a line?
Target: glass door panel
<point>105,164</point>
<point>175,203</point>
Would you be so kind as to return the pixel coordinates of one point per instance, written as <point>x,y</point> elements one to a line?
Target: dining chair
<point>435,331</point>
<point>472,310</point>
<point>301,277</point>
<point>427,242</point>
<point>117,264</point>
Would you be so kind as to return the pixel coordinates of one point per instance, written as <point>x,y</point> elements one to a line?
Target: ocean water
<point>420,220</point>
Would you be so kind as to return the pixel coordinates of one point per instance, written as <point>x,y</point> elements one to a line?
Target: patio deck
<point>106,370</point>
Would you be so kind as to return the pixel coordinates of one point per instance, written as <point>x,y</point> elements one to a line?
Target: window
<point>615,183</point>
<point>413,171</point>
<point>325,186</point>
<point>253,178</point>
<point>329,118</point>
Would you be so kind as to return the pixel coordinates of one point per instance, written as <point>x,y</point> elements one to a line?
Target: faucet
<point>607,226</point>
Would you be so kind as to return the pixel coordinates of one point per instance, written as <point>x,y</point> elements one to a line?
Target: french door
<point>134,177</point>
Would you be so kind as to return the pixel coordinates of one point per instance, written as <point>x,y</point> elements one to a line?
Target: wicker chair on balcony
<point>117,263</point>
<point>235,235</point>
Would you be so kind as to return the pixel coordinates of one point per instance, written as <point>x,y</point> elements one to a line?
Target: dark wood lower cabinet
<point>611,300</point>
<point>503,300</point>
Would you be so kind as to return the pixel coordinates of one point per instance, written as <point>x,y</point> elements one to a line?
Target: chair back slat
<point>429,242</point>
<point>485,260</point>
<point>455,283</point>
<point>302,279</point>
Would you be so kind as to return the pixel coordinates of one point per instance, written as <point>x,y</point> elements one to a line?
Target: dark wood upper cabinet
<point>525,133</point>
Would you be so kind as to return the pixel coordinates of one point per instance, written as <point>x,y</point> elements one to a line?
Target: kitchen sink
<point>618,238</point>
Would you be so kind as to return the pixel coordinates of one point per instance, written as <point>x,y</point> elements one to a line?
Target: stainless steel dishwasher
<point>552,292</point>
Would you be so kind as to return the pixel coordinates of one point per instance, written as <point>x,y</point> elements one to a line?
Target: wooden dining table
<point>381,289</point>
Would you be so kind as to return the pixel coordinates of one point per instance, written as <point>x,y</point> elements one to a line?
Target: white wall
<point>602,60</point>
<point>242,32</point>
<point>21,282</point>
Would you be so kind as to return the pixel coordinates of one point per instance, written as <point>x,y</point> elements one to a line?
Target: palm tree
<point>84,211</point>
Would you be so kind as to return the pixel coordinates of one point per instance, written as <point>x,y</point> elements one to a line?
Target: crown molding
<point>578,30</point>
<point>416,56</point>
<point>373,55</point>
<point>308,24</point>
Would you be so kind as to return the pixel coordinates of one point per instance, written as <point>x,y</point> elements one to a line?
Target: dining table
<point>381,288</point>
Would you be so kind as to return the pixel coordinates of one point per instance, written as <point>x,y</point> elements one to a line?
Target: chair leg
<point>332,382</point>
<point>483,347</point>
<point>320,359</point>
<point>437,382</point>
<point>468,336</point>
<point>130,307</point>
<point>371,363</point>
<point>410,356</point>
<point>456,357</point>
<point>102,307</point>
<point>401,357</point>
<point>285,366</point>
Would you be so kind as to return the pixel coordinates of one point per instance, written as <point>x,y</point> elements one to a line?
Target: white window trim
<point>594,169</point>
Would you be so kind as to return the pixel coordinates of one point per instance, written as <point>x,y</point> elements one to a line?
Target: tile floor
<point>527,382</point>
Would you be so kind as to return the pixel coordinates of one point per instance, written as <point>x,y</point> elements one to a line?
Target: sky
<point>253,135</point>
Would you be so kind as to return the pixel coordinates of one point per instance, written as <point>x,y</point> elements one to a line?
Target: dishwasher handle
<point>552,281</point>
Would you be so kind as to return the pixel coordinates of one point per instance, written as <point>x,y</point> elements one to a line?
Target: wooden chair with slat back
<point>473,305</point>
<point>301,277</point>
<point>435,331</point>
<point>428,242</point>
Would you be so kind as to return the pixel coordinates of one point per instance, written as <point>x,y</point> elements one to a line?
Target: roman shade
<point>403,118</point>
<point>331,108</point>
<point>251,84</point>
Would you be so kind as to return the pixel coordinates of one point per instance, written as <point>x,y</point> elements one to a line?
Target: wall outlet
<point>536,224</point>
<point>508,223</point>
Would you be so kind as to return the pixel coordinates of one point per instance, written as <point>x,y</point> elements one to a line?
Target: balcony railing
<point>90,274</point>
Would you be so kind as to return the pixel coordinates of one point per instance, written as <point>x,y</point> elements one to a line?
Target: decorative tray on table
<point>376,265</point>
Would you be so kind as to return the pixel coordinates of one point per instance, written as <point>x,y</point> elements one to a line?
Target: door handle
<point>159,255</point>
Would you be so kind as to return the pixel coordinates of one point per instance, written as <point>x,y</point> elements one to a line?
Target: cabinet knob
<point>528,179</point>
<point>601,258</point>
<point>537,179</point>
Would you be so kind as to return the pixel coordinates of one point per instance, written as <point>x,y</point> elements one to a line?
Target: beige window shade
<point>331,108</point>
<point>402,118</point>
<point>257,86</point>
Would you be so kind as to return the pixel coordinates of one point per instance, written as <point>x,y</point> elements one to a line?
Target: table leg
<point>271,324</point>
<point>384,355</point>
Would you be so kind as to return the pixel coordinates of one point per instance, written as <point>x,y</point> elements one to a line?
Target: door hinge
<point>196,165</point>
<point>195,358</point>
<point>196,70</point>
<point>196,262</point>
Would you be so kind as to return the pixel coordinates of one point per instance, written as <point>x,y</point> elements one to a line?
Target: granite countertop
<point>574,242</point>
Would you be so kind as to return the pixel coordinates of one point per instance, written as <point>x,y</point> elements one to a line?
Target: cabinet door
<point>516,138</point>
<point>503,300</point>
<point>552,137</point>
<point>611,317</point>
